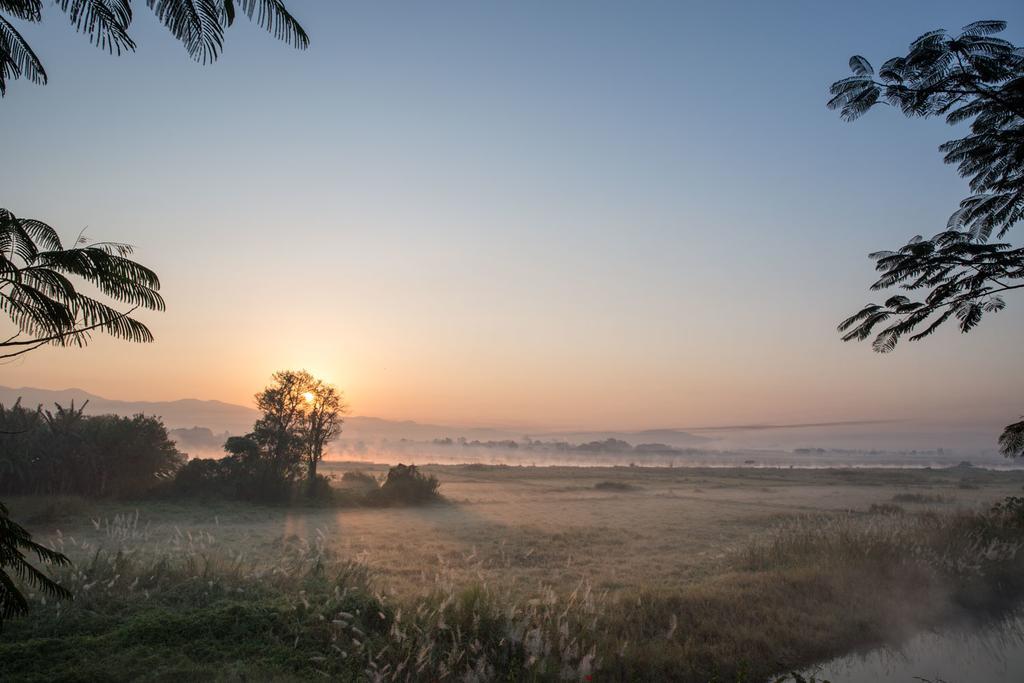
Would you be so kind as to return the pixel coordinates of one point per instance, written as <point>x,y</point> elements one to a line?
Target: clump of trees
<point>406,485</point>
<point>301,415</point>
<point>65,452</point>
<point>403,485</point>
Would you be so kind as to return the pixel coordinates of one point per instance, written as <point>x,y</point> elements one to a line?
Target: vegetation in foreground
<point>815,588</point>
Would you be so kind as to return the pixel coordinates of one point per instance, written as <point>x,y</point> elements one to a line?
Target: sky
<point>560,215</point>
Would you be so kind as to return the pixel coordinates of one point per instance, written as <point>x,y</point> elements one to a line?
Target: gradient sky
<point>567,215</point>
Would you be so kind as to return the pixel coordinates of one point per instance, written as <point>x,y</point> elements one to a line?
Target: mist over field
<point>200,427</point>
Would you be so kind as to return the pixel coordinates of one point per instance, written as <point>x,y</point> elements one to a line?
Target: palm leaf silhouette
<point>199,25</point>
<point>39,293</point>
<point>15,544</point>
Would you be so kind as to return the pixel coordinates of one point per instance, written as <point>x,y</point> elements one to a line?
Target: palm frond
<point>196,23</point>
<point>26,10</point>
<point>273,17</point>
<point>15,543</point>
<point>1011,441</point>
<point>38,291</point>
<point>17,60</point>
<point>106,22</point>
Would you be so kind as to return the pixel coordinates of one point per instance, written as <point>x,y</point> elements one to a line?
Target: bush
<point>1010,511</point>
<point>319,490</point>
<point>232,477</point>
<point>406,485</point>
<point>358,479</point>
<point>885,509</point>
<point>204,478</point>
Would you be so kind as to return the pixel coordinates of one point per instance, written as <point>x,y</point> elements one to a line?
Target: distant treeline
<point>620,446</point>
<point>65,452</point>
<point>938,452</point>
<point>605,446</point>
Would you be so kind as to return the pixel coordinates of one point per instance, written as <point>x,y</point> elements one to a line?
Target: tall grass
<point>815,587</point>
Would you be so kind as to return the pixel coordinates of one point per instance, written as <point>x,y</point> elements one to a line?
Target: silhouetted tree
<point>198,24</point>
<point>281,428</point>
<point>301,414</point>
<point>972,77</point>
<point>323,423</point>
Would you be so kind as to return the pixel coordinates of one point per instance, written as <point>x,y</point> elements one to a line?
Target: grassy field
<point>524,574</point>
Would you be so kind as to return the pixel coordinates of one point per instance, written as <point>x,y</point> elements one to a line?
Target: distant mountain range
<point>220,417</point>
<point>223,419</point>
<point>187,412</point>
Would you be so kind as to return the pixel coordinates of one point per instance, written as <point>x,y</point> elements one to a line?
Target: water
<point>992,653</point>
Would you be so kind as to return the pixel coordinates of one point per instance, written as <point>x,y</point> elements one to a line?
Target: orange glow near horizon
<point>576,382</point>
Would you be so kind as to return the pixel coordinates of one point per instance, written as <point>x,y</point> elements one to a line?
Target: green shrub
<point>406,485</point>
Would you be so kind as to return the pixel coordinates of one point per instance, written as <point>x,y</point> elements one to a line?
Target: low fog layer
<point>201,427</point>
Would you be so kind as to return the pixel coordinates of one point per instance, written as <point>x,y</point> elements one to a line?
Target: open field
<point>684,573</point>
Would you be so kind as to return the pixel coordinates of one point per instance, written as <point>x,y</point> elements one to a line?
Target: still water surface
<point>992,653</point>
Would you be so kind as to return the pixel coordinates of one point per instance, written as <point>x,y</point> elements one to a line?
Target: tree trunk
<point>312,473</point>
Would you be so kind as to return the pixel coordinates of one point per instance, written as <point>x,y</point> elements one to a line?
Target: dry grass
<point>501,583</point>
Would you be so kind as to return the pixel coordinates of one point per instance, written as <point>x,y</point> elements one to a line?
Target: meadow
<point>525,573</point>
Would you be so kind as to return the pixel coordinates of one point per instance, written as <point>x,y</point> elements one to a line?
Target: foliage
<point>207,478</point>
<point>965,277</point>
<point>15,542</point>
<point>300,414</point>
<point>1011,441</point>
<point>973,77</point>
<point>65,452</point>
<point>244,474</point>
<point>323,420</point>
<point>359,478</point>
<point>199,25</point>
<point>1010,510</point>
<point>406,485</point>
<point>37,289</point>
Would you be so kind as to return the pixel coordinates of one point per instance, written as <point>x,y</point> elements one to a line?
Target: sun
<point>309,396</point>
